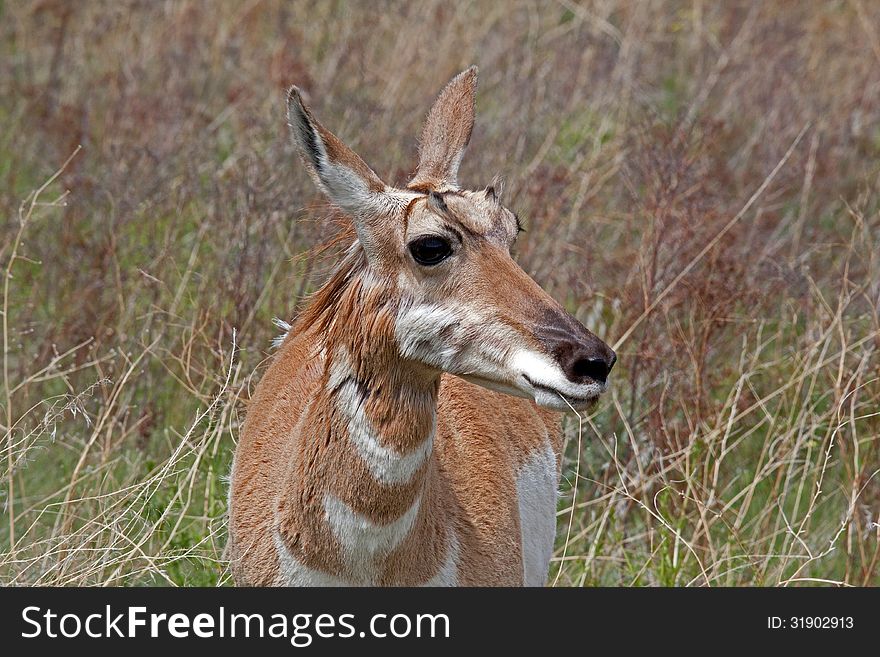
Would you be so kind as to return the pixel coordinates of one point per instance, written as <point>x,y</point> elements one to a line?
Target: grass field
<point>700,184</point>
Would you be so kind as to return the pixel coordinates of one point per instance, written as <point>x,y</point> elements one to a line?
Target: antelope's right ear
<point>446,134</point>
<point>346,179</point>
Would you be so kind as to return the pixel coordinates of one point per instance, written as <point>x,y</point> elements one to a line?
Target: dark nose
<point>582,356</point>
<point>584,362</point>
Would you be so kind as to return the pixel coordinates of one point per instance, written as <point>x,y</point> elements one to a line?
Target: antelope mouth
<point>546,396</point>
<point>551,397</point>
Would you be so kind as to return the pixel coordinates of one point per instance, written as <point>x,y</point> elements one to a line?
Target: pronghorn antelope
<point>407,432</point>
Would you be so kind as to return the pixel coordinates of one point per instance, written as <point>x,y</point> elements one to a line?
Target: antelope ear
<point>343,176</point>
<point>446,134</point>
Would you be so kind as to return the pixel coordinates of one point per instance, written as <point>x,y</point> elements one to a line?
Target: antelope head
<point>462,304</point>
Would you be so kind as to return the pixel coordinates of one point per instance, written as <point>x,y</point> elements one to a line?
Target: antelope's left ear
<point>343,176</point>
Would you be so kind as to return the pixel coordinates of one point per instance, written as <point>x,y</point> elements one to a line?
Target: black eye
<point>430,250</point>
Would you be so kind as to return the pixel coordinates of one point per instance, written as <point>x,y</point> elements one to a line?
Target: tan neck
<point>388,402</point>
<point>373,483</point>
<point>366,374</point>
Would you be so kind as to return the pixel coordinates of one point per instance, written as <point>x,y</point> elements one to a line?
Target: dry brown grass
<point>699,182</point>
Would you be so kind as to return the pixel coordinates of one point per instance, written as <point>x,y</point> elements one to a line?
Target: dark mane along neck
<point>319,310</point>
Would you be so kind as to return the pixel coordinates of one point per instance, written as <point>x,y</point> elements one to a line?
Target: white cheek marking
<point>477,346</point>
<point>536,491</point>
<point>364,543</point>
<point>417,330</point>
<point>459,340</point>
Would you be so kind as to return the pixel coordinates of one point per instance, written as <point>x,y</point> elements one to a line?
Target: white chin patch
<point>534,376</point>
<point>547,384</point>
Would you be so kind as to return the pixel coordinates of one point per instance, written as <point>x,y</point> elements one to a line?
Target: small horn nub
<point>436,202</point>
<point>496,189</point>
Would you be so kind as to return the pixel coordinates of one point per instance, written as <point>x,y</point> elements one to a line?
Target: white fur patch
<point>340,370</point>
<point>482,349</point>
<point>387,465</point>
<point>448,573</point>
<point>459,340</point>
<point>364,543</point>
<point>539,368</point>
<point>417,330</point>
<point>536,492</point>
<point>292,572</point>
<point>344,187</point>
<point>551,381</point>
<point>278,340</point>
